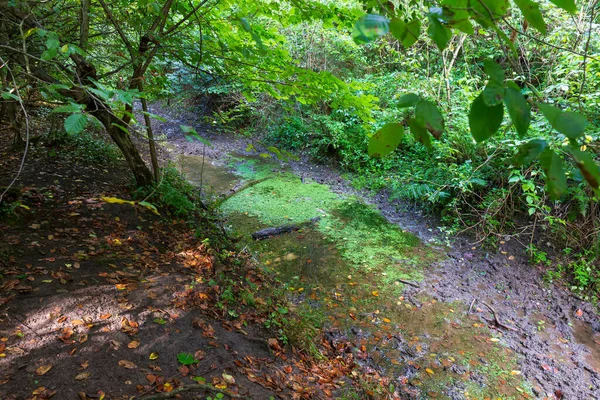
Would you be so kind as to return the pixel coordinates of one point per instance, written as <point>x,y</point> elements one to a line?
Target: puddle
<point>585,335</point>
<point>346,272</point>
<point>202,172</point>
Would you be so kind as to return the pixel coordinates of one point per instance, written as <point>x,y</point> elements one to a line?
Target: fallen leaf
<point>43,369</point>
<point>579,312</point>
<point>133,344</point>
<point>127,364</point>
<point>375,293</point>
<point>153,356</point>
<point>515,372</point>
<point>429,371</point>
<point>228,378</point>
<point>82,376</point>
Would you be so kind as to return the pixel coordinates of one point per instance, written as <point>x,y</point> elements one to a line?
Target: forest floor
<point>109,301</point>
<point>101,299</point>
<point>466,323</point>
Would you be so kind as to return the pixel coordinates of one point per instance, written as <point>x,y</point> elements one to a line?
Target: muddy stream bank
<point>377,276</point>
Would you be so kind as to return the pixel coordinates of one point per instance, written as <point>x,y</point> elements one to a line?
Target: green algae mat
<point>347,273</point>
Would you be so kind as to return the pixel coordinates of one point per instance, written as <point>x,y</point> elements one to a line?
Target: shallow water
<point>348,267</point>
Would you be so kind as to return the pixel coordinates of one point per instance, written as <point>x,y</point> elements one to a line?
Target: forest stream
<point>448,321</point>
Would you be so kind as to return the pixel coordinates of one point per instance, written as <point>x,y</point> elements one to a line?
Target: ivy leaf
<point>420,133</point>
<point>484,121</point>
<point>518,109</point>
<point>567,5</point>
<point>588,167</point>
<point>529,152</point>
<point>556,180</point>
<point>570,124</point>
<point>408,100</point>
<point>531,11</point>
<point>75,123</point>
<point>438,32</point>
<point>385,140</point>
<point>369,28</point>
<point>428,116</point>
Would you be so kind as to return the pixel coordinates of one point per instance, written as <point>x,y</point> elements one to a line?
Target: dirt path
<point>553,336</point>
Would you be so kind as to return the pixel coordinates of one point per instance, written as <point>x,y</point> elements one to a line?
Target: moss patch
<point>282,200</point>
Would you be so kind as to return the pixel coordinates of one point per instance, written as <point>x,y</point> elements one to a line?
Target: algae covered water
<point>356,276</point>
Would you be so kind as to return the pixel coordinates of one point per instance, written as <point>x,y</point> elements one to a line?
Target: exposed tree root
<point>280,230</point>
<point>495,315</point>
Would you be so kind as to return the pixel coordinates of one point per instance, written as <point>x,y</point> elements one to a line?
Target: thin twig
<point>496,320</point>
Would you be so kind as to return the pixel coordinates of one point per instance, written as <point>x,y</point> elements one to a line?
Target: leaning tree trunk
<point>143,175</point>
<point>138,167</point>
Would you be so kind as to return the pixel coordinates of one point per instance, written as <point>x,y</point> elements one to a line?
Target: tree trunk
<point>85,24</point>
<point>151,144</point>
<point>138,167</point>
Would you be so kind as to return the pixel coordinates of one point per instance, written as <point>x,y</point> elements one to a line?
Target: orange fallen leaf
<point>133,344</point>
<point>82,376</point>
<point>579,312</point>
<point>429,371</point>
<point>43,369</point>
<point>105,316</point>
<point>127,364</point>
<point>375,293</point>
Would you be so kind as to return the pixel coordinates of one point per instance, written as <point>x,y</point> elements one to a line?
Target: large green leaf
<point>588,167</point>
<point>419,132</point>
<point>494,71</point>
<point>428,116</point>
<point>484,121</point>
<point>570,124</point>
<point>518,109</point>
<point>385,140</point>
<point>438,32</point>
<point>75,123</point>
<point>369,28</point>
<point>529,152</point>
<point>567,5</point>
<point>531,11</point>
<point>406,32</point>
<point>493,94</point>
<point>556,179</point>
<point>486,12</point>
<point>408,100</point>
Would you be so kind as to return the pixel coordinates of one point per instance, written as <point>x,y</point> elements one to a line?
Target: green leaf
<point>494,71</point>
<point>385,140</point>
<point>369,28</point>
<point>193,135</point>
<point>529,152</point>
<point>486,12</point>
<point>8,95</point>
<point>420,133</point>
<point>186,359</point>
<point>518,109</point>
<point>438,32</point>
<point>408,100</point>
<point>570,124</point>
<point>155,116</point>
<point>493,94</point>
<point>531,11</point>
<point>75,123</point>
<point>588,167</point>
<point>428,116</point>
<point>567,5</point>
<point>49,54</point>
<point>69,108</point>
<point>484,121</point>
<point>556,180</point>
<point>406,32</point>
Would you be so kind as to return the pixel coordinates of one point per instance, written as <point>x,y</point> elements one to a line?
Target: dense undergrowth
<point>475,188</point>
